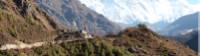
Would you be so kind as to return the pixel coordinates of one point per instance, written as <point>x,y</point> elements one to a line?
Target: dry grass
<point>26,28</point>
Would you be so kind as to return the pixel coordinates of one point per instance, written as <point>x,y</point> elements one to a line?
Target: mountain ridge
<point>151,11</point>
<point>73,14</point>
<point>184,30</point>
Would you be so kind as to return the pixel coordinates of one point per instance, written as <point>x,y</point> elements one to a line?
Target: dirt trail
<point>21,45</point>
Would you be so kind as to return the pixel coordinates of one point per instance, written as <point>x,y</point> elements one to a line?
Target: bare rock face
<point>76,16</point>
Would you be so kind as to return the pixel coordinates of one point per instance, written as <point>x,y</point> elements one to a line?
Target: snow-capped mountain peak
<point>150,11</point>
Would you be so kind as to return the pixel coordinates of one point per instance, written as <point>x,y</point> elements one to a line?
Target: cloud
<point>150,11</point>
<point>196,7</point>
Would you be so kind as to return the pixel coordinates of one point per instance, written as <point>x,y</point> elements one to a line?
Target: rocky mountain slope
<point>182,25</point>
<point>185,30</point>
<point>22,20</point>
<point>36,20</point>
<point>76,16</point>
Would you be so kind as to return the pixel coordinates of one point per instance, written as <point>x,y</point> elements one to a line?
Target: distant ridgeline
<point>185,30</point>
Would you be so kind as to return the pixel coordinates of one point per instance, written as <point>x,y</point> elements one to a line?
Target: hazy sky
<point>193,1</point>
<point>195,4</point>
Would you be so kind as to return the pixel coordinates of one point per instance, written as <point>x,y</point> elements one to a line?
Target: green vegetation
<point>30,20</point>
<point>11,20</point>
<point>83,48</point>
<point>27,28</point>
<point>6,16</point>
<point>141,25</point>
<point>95,47</point>
<point>12,32</point>
<point>131,42</point>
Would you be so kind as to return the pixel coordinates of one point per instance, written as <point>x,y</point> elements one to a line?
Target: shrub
<point>6,53</point>
<point>78,48</point>
<point>141,25</point>
<point>30,20</point>
<point>12,32</point>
